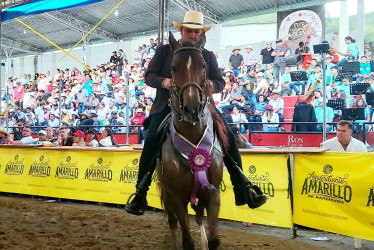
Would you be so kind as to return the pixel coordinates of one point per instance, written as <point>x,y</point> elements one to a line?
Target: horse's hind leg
<point>199,220</point>
<point>182,215</point>
<point>212,213</point>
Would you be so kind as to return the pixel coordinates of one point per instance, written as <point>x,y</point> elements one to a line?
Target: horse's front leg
<point>212,214</point>
<point>172,220</point>
<point>184,222</point>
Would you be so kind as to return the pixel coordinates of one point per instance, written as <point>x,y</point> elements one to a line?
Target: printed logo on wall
<point>67,169</point>
<point>129,174</point>
<point>41,168</point>
<point>14,167</point>
<point>327,186</point>
<point>295,26</point>
<point>261,180</point>
<point>99,171</point>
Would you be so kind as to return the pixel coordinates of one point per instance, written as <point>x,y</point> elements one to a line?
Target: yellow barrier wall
<point>109,176</point>
<point>335,192</point>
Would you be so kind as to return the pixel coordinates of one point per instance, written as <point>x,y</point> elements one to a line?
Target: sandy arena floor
<point>36,223</point>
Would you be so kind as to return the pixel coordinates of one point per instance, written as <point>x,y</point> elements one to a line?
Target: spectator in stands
<point>239,117</point>
<point>18,94</point>
<point>258,68</point>
<point>224,99</point>
<point>108,139</point>
<point>50,134</point>
<point>4,136</point>
<point>345,87</point>
<point>240,140</point>
<point>365,70</point>
<point>361,103</point>
<point>244,105</point>
<point>352,50</point>
<point>260,84</point>
<point>270,117</point>
<point>66,140</point>
<point>251,58</point>
<point>138,119</point>
<point>272,82</point>
<point>285,82</point>
<point>258,111</point>
<point>248,83</point>
<point>53,122</point>
<point>301,51</point>
<point>266,55</point>
<point>42,137</point>
<point>235,94</point>
<point>26,137</point>
<point>152,48</point>
<point>43,82</point>
<point>82,98</point>
<point>344,142</point>
<point>113,121</point>
<point>277,104</point>
<point>120,59</point>
<point>114,58</point>
<point>269,69</point>
<point>92,139</point>
<point>280,59</point>
<point>236,61</point>
<point>78,138</point>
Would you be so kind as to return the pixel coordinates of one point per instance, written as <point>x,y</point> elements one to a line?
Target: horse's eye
<point>173,68</point>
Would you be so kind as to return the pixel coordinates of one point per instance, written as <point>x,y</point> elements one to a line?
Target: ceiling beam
<point>194,5</point>
<point>12,44</point>
<point>81,26</point>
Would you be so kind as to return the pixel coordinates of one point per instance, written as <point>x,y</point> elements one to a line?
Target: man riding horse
<point>158,76</point>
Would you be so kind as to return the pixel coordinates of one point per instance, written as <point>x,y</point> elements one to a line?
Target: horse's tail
<point>220,127</point>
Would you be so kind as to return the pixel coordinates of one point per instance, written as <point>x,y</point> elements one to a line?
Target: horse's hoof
<point>213,244</point>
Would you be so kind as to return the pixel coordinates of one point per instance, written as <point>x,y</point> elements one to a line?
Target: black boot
<point>245,191</point>
<point>138,205</point>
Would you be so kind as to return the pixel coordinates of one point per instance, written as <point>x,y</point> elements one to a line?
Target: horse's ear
<point>201,42</point>
<point>173,43</point>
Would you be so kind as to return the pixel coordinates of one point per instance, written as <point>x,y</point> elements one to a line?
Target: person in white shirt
<point>238,118</point>
<point>26,137</point>
<point>277,103</point>
<point>344,142</point>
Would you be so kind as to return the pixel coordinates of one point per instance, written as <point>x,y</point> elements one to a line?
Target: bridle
<point>204,99</point>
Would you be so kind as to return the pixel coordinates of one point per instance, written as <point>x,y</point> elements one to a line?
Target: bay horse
<point>191,121</point>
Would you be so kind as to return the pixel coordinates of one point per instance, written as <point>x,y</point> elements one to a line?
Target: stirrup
<point>129,207</point>
<point>255,197</point>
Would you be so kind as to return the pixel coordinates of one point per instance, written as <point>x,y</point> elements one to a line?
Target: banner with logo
<point>294,26</point>
<point>110,177</point>
<point>335,192</point>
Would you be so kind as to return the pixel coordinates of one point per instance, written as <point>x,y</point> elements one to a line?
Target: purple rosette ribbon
<point>199,161</point>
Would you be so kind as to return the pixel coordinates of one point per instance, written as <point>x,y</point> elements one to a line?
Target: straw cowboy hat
<point>193,20</point>
<point>3,130</point>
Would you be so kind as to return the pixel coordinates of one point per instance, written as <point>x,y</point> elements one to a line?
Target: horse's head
<point>188,79</point>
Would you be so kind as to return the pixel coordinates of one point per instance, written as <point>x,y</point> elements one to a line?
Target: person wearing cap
<point>251,58</point>
<point>266,55</point>
<point>42,137</point>
<point>89,121</point>
<point>158,76</point>
<point>78,138</point>
<point>260,84</point>
<point>279,54</point>
<point>92,139</point>
<point>236,62</point>
<point>277,103</point>
<point>113,121</point>
<point>270,117</point>
<point>4,136</point>
<point>26,137</point>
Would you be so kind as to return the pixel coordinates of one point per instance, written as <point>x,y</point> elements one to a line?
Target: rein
<point>204,100</point>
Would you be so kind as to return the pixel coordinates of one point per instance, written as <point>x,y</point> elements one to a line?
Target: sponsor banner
<point>110,177</point>
<point>294,26</point>
<point>335,192</point>
<point>270,173</point>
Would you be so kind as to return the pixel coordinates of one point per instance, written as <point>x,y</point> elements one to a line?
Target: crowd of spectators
<point>99,99</point>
